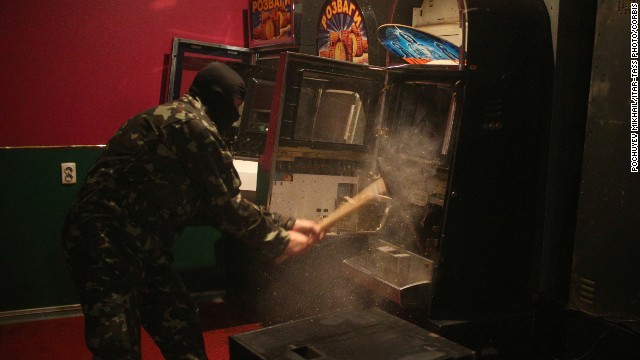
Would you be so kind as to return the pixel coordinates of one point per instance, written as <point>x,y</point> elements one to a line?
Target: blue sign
<point>417,47</point>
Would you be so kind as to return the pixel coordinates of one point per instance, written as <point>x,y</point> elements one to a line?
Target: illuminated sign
<point>270,22</point>
<point>342,33</point>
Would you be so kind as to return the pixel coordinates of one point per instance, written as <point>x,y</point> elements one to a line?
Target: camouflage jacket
<point>162,170</point>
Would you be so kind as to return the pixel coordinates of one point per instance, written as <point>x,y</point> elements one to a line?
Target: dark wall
<point>33,207</point>
<point>34,204</point>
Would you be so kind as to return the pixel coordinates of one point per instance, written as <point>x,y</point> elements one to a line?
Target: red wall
<point>73,71</point>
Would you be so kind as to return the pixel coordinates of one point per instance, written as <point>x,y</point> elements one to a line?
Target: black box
<point>349,334</point>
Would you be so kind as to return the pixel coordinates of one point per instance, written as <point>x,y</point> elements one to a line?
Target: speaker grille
<point>624,7</point>
<point>586,290</point>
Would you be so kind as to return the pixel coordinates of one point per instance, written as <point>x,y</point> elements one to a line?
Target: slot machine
<point>461,148</point>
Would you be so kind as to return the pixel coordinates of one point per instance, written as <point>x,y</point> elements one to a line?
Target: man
<point>164,169</point>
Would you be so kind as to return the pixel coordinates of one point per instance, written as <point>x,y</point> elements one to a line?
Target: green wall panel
<point>33,207</point>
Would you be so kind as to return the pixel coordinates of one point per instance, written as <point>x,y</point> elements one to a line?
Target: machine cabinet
<point>461,148</point>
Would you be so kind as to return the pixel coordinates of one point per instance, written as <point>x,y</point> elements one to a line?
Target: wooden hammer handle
<point>369,193</point>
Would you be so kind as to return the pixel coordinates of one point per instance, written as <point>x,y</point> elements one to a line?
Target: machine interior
<point>407,130</point>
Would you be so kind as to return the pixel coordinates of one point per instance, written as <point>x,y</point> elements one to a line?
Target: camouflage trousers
<point>119,295</point>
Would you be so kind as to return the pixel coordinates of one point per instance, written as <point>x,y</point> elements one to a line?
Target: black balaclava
<point>217,86</point>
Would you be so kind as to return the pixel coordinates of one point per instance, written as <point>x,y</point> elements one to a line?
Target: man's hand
<point>304,234</point>
<point>298,244</point>
<point>309,228</point>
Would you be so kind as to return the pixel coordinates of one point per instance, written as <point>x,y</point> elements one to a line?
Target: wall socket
<point>68,175</point>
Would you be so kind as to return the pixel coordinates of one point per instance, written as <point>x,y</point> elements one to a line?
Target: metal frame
<point>182,46</point>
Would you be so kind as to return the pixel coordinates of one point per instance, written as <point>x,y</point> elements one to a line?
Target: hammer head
<point>407,179</point>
